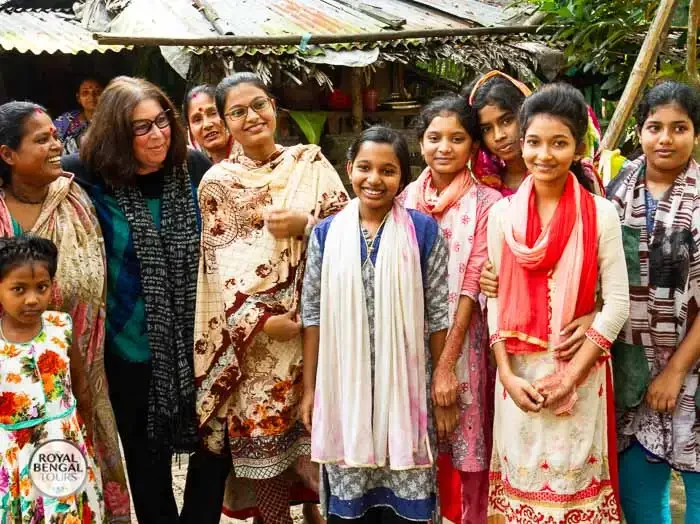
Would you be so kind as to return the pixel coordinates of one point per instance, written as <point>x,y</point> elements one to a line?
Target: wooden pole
<point>654,41</point>
<point>400,80</point>
<point>692,62</point>
<point>384,36</point>
<point>357,109</point>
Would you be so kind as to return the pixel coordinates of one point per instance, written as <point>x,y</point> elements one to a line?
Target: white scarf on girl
<point>355,422</point>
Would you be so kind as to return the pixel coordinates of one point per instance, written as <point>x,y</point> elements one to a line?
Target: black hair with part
<point>447,105</point>
<point>235,80</point>
<point>206,89</point>
<point>385,135</point>
<point>95,79</point>
<point>13,116</point>
<point>566,103</point>
<point>497,91</point>
<point>27,249</point>
<point>683,95</point>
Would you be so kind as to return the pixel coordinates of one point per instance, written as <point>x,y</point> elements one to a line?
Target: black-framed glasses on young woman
<point>259,105</point>
<point>144,126</point>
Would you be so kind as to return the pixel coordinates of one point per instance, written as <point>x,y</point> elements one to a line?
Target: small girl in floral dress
<point>36,399</point>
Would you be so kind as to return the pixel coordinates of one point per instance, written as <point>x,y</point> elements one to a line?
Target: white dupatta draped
<point>355,422</point>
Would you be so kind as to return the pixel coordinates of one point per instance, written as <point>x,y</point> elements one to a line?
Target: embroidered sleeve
<point>495,338</point>
<point>613,274</point>
<point>479,254</point>
<point>311,288</point>
<point>436,287</point>
<point>599,340</point>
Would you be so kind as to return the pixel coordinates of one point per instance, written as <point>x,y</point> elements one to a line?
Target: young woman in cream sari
<point>553,243</point>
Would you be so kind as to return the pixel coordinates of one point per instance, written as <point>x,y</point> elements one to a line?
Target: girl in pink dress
<point>448,192</point>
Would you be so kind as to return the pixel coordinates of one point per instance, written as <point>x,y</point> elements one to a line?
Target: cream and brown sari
<point>248,385</point>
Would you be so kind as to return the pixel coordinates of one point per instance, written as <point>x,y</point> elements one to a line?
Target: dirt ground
<point>179,475</point>
<point>180,471</point>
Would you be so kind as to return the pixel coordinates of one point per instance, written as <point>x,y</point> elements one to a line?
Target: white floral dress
<point>37,405</point>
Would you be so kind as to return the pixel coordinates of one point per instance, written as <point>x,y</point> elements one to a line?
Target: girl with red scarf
<point>557,249</point>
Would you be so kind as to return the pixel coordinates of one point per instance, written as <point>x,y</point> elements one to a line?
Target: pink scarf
<point>430,203</point>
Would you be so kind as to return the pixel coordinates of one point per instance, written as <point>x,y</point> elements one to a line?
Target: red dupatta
<point>532,255</point>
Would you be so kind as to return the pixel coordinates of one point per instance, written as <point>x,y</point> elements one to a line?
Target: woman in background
<point>72,125</point>
<point>206,129</point>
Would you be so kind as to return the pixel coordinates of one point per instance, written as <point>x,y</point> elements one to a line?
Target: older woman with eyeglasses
<point>258,208</point>
<point>136,168</point>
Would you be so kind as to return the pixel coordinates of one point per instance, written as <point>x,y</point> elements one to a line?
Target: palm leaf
<point>311,124</point>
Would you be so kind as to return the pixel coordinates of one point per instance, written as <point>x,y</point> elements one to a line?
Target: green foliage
<point>445,68</point>
<point>604,36</point>
<point>311,124</point>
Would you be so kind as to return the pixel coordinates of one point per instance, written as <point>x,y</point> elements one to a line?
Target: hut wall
<point>52,79</point>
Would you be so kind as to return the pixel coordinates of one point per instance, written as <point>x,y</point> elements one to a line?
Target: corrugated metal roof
<point>480,12</point>
<point>284,17</point>
<point>45,31</point>
<point>161,18</point>
<point>181,18</point>
<point>279,17</point>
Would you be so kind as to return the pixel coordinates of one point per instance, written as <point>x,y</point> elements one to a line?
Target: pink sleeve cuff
<point>471,294</point>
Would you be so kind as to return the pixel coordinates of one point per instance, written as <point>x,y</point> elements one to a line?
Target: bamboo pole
<point>692,62</point>
<point>357,109</point>
<point>384,36</point>
<point>653,42</point>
